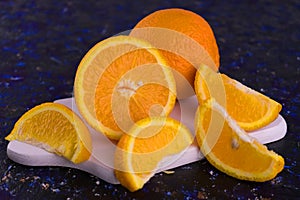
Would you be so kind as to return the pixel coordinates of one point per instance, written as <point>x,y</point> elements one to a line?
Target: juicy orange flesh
<point>96,67</point>
<point>152,144</point>
<point>58,129</point>
<point>209,84</point>
<point>235,152</point>
<point>109,79</point>
<point>150,147</point>
<point>111,76</point>
<point>251,109</point>
<point>166,142</point>
<point>141,105</point>
<point>237,99</point>
<point>164,136</point>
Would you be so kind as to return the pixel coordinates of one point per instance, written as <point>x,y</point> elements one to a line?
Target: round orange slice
<point>121,80</point>
<point>151,144</point>
<point>250,109</point>
<point>55,128</point>
<point>228,147</point>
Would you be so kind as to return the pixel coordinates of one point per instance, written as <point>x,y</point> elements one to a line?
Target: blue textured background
<point>42,43</point>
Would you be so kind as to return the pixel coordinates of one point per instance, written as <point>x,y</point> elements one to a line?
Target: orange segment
<point>251,109</point>
<point>228,147</point>
<point>55,128</point>
<point>151,144</point>
<point>185,39</point>
<point>119,81</point>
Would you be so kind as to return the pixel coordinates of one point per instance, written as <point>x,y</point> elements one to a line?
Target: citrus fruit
<point>55,128</point>
<point>185,39</point>
<point>121,80</point>
<point>252,110</point>
<point>228,147</point>
<point>152,143</point>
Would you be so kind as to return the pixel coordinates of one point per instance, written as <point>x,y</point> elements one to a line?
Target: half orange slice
<point>121,80</point>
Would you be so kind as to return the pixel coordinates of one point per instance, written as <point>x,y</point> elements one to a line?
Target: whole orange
<point>185,39</point>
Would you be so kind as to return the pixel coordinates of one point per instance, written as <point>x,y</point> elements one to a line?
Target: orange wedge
<point>55,128</point>
<point>249,108</point>
<point>120,81</point>
<point>151,144</point>
<point>228,147</point>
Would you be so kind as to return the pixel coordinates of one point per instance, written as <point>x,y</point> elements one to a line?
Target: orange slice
<point>151,144</point>
<point>228,147</point>
<point>55,128</point>
<point>251,109</point>
<point>120,81</point>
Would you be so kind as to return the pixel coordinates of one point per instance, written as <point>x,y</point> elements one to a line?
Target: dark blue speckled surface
<point>42,42</point>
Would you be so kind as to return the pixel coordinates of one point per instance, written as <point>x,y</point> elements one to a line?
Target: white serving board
<point>100,163</point>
